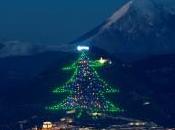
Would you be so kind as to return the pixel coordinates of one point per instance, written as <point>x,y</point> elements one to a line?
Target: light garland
<point>86,90</point>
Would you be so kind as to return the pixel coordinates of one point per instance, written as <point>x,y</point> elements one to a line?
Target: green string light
<point>86,90</point>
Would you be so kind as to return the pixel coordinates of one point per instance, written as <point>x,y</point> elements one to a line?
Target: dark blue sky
<point>52,21</point>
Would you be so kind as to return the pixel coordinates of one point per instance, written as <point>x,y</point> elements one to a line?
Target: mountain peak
<point>139,29</point>
<point>118,14</point>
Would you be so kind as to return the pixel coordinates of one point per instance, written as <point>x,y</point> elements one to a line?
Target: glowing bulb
<point>110,62</point>
<point>81,48</point>
<point>47,125</point>
<point>102,61</point>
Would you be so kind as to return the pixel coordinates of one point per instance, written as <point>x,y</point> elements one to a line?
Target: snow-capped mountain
<point>18,48</point>
<point>141,28</point>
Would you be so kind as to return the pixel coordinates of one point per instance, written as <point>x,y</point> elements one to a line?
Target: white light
<point>70,112</point>
<point>110,62</point>
<point>96,114</point>
<point>102,61</point>
<point>81,48</point>
<point>47,125</point>
<point>131,123</point>
<point>146,103</point>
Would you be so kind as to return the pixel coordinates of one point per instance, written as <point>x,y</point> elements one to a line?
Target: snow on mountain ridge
<point>117,15</point>
<point>147,8</point>
<point>139,29</point>
<point>18,48</point>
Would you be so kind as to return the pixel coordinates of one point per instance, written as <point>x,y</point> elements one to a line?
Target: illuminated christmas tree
<point>85,90</point>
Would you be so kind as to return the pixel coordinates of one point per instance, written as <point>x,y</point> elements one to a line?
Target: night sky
<point>52,21</point>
